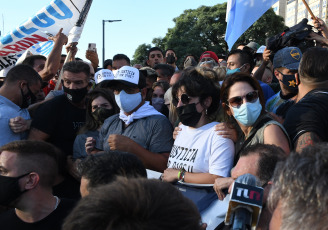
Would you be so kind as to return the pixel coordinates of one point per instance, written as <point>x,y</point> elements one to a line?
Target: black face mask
<point>170,59</point>
<point>188,115</point>
<point>9,189</point>
<point>101,114</point>
<point>290,82</point>
<point>28,99</point>
<point>75,95</point>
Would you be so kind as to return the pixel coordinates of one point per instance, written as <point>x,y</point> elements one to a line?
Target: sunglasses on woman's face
<point>238,101</point>
<point>185,99</point>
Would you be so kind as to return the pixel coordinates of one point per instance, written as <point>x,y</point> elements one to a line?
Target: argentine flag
<point>241,14</point>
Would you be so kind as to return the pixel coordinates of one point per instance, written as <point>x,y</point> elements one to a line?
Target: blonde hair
<point>221,72</point>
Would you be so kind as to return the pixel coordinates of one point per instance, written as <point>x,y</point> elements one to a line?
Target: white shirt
<point>201,150</point>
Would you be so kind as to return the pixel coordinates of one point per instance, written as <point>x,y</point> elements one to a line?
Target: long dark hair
<point>90,122</point>
<point>230,81</point>
<point>199,82</point>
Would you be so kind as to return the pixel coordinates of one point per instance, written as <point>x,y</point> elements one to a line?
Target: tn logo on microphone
<point>248,194</point>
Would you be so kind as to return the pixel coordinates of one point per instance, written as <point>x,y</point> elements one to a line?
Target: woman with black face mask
<point>198,155</point>
<point>100,106</point>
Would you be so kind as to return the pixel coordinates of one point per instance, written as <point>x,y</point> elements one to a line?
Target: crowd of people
<point>79,141</point>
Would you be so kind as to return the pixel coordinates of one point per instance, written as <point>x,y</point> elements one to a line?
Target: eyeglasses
<point>238,101</point>
<point>185,99</point>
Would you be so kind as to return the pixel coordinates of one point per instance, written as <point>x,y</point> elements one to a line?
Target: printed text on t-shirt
<point>181,157</point>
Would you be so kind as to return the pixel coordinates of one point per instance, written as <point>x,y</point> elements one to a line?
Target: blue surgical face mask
<point>232,71</point>
<point>248,112</point>
<point>128,102</point>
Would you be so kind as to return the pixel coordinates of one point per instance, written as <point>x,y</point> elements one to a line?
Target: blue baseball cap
<point>288,57</point>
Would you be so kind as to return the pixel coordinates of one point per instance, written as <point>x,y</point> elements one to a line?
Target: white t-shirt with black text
<point>202,150</point>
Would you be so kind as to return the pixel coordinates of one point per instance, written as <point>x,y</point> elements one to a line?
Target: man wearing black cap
<point>138,128</point>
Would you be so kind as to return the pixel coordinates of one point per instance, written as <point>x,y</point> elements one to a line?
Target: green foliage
<point>196,31</point>
<point>202,29</point>
<point>266,26</point>
<point>160,43</point>
<point>140,55</point>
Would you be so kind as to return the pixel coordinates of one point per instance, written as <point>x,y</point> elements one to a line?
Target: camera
<point>294,36</point>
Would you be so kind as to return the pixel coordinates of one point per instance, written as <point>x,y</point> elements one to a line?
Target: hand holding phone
<point>92,47</point>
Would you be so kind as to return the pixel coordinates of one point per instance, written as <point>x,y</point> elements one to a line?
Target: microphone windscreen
<point>248,179</point>
<point>244,193</point>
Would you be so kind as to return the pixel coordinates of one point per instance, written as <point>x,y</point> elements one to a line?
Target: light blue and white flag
<point>33,34</point>
<point>241,14</point>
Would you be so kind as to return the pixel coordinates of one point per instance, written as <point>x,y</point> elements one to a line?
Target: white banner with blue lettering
<point>34,32</point>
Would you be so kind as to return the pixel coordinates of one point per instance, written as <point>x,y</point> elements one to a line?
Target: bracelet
<point>181,174</point>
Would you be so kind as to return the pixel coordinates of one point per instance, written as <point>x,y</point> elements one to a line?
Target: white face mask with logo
<point>128,102</point>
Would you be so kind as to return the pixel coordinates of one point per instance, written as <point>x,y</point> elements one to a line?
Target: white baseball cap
<point>102,75</point>
<point>130,76</point>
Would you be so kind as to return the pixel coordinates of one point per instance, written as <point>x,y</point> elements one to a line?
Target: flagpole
<point>309,9</point>
<point>77,29</point>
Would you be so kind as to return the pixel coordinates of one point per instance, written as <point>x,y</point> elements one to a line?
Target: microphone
<point>245,203</point>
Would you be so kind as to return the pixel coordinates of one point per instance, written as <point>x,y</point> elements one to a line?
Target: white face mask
<point>248,112</point>
<point>128,102</point>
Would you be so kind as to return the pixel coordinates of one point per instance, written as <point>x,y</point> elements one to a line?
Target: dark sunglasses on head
<point>238,101</point>
<point>185,99</point>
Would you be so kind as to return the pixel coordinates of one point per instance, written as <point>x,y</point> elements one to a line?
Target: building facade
<point>293,11</point>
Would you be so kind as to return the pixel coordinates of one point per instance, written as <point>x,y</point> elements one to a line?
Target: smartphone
<point>92,47</point>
